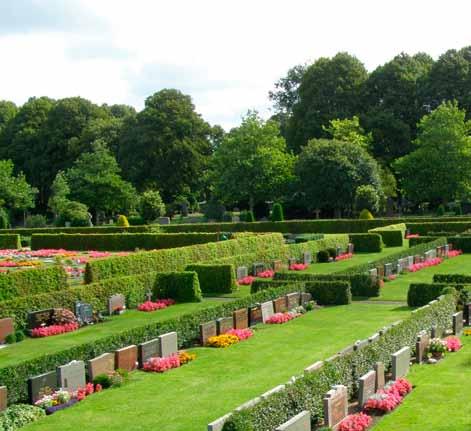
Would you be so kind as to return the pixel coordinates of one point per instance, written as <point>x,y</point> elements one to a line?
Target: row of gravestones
<point>258,313</point>
<point>72,376</point>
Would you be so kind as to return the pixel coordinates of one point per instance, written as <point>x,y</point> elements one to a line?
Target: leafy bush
<point>10,241</point>
<point>323,256</point>
<point>214,278</point>
<point>367,242</point>
<point>18,416</point>
<point>420,294</point>
<point>152,205</point>
<point>247,216</point>
<point>214,210</point>
<point>393,235</point>
<point>423,228</point>
<point>277,213</point>
<point>104,380</point>
<point>332,252</point>
<point>34,221</point>
<point>122,221</point>
<point>75,213</point>
<point>330,292</point>
<point>365,215</point>
<point>329,241</point>
<point>136,220</point>
<point>4,219</point>
<point>24,232</point>
<point>366,197</point>
<point>452,278</point>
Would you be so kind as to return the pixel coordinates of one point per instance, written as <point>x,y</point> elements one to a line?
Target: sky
<point>225,54</point>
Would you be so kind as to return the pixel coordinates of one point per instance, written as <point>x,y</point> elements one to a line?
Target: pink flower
<point>246,281</point>
<point>266,274</point>
<point>98,387</point>
<point>428,263</point>
<point>453,344</point>
<point>454,253</point>
<point>241,334</point>
<point>46,331</point>
<point>344,256</point>
<point>356,422</point>
<point>298,267</point>
<point>160,365</point>
<point>279,318</point>
<point>412,235</point>
<point>158,305</point>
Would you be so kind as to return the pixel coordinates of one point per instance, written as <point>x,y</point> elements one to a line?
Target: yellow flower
<point>223,340</point>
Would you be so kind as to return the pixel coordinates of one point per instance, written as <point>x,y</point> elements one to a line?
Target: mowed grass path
<point>221,379</point>
<point>441,398</point>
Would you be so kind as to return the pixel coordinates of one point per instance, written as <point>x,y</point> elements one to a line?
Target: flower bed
<point>356,422</point>
<point>223,340</point>
<point>269,273</point>
<point>157,305</point>
<point>422,265</point>
<point>279,318</point>
<point>47,331</point>
<point>387,399</point>
<point>246,281</point>
<point>453,344</point>
<point>298,266</point>
<point>437,347</point>
<point>241,334</point>
<point>344,256</point>
<point>161,365</point>
<point>454,253</point>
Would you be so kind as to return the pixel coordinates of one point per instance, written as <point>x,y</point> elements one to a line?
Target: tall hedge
<point>215,279</point>
<point>314,246</point>
<point>422,293</point>
<point>366,242</point>
<point>10,241</point>
<point>392,235</point>
<point>452,278</point>
<point>86,230</point>
<point>439,225</point>
<point>330,292</point>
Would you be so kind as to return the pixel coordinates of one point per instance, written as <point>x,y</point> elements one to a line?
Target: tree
<point>349,130</point>
<point>60,191</point>
<point>151,205</point>
<point>96,180</point>
<point>285,95</point>
<point>167,146</point>
<point>330,88</point>
<point>367,197</point>
<point>331,171</point>
<point>8,110</point>
<point>277,212</point>
<point>439,170</point>
<point>252,163</point>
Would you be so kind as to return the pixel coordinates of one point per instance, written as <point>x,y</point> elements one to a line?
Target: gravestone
<point>421,347</point>
<point>3,398</point>
<point>241,318</point>
<point>458,323</point>
<point>314,367</point>
<point>467,313</point>
<point>277,265</point>
<point>400,363</point>
<point>350,248</point>
<point>7,327</point>
<point>218,424</point>
<point>279,305</point>
<point>207,330</point>
<point>147,350</point>
<point>335,406</point>
<point>388,269</point>
<point>300,422</point>
<point>292,261</point>
<point>305,298</point>
<point>437,332</point>
<point>257,268</point>
<point>446,250</point>
<point>338,251</point>
<point>115,303</point>
<point>255,315</point>
<point>267,310</point>
<point>71,376</point>
<point>224,324</point>
<point>242,271</point>
<point>410,260</point>
<point>126,358</point>
<point>40,384</point>
<point>307,258</point>
<point>380,270</point>
<point>380,379</point>
<point>84,313</point>
<point>103,364</point>
<point>40,317</point>
<point>373,274</point>
<point>292,300</point>
<point>163,220</point>
<point>418,259</point>
<point>169,344</point>
<point>367,387</point>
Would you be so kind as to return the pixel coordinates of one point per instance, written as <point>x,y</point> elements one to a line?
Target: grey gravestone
<point>400,363</point>
<point>421,347</point>
<point>307,258</point>
<point>242,271</point>
<point>255,315</point>
<point>163,220</point>
<point>446,250</point>
<point>300,422</point>
<point>36,318</point>
<point>84,312</point>
<point>103,364</point>
<point>37,385</point>
<point>314,367</point>
<point>218,424</point>
<point>467,313</point>
<point>292,300</point>
<point>437,332</point>
<point>224,324</point>
<point>3,398</point>
<point>207,330</point>
<point>388,269</point>
<point>292,261</point>
<point>351,248</point>
<point>168,344</point>
<point>367,387</point>
<point>71,376</point>
<point>257,268</point>
<point>305,298</point>
<point>410,261</point>
<point>267,310</point>
<point>458,323</point>
<point>380,379</point>
<point>373,274</point>
<point>147,350</point>
<point>335,406</point>
<point>116,302</point>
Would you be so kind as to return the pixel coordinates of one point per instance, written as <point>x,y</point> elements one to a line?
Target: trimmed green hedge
<point>308,391</point>
<point>187,326</point>
<point>422,293</point>
<point>215,278</point>
<point>314,246</point>
<point>25,282</point>
<point>86,230</point>
<point>265,283</point>
<point>439,226</point>
<point>181,286</point>
<point>330,292</point>
<point>264,247</point>
<point>120,241</point>
<point>392,235</point>
<point>367,242</point>
<point>246,259</point>
<point>462,243</point>
<point>10,241</point>
<point>452,278</point>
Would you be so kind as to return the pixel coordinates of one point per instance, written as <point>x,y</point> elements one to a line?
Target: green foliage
<point>11,241</point>
<point>440,210</point>
<point>330,292</point>
<point>349,130</point>
<point>215,278</point>
<point>136,220</point>
<point>277,213</point>
<point>104,380</point>
<point>74,213</point>
<point>36,220</point>
<point>214,210</point>
<point>392,235</point>
<point>323,256</point>
<point>365,215</point>
<point>314,246</point>
<point>366,242</point>
<point>452,278</point>
<point>247,217</point>
<point>8,110</point>
<point>420,294</point>
<point>122,221</point>
<point>367,197</point>
<point>10,338</point>
<point>15,192</point>
<point>4,219</point>
<point>151,205</point>
<point>84,230</point>
<point>20,415</point>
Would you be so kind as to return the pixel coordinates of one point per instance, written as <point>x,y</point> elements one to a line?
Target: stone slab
<point>126,358</point>
<point>292,300</point>
<point>241,318</point>
<point>169,344</point>
<point>458,323</point>
<point>335,406</point>
<point>103,364</point>
<point>41,383</point>
<point>279,305</point>
<point>224,324</point>
<point>84,312</point>
<point>208,329</point>
<point>300,422</point>
<point>258,267</point>
<point>255,315</point>
<point>3,398</point>
<point>305,298</point>
<point>421,347</point>
<point>400,363</point>
<point>147,350</point>
<point>37,318</point>
<point>71,376</point>
<point>115,303</point>
<point>267,310</point>
<point>7,327</point>
<point>380,376</point>
<point>241,272</point>
<point>367,387</point>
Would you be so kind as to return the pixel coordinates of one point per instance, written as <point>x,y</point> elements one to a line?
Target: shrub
<point>330,241</point>
<point>34,221</point>
<point>330,292</point>
<point>365,215</point>
<point>122,221</point>
<point>452,278</point>
<point>247,216</point>
<point>366,242</point>
<point>4,219</point>
<point>277,213</point>
<point>393,235</point>
<point>215,278</point>
<point>75,213</point>
<point>20,415</point>
<point>214,210</point>
<point>323,256</point>
<point>151,205</point>
<point>367,197</point>
<point>332,252</point>
<point>103,380</point>
<point>136,220</point>
<point>10,338</point>
<point>420,294</point>
<point>10,241</point>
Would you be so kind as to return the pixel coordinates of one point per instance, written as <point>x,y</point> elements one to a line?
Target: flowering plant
<point>437,346</point>
<point>269,273</point>
<point>298,266</point>
<point>46,331</point>
<point>160,365</point>
<point>279,318</point>
<point>158,305</point>
<point>454,253</point>
<point>422,265</point>
<point>356,422</point>
<point>223,340</point>
<point>186,357</point>
<point>241,334</point>
<point>391,277</point>
<point>412,235</point>
<point>344,256</point>
<point>390,397</point>
<point>246,281</point>
<point>467,331</point>
<point>453,344</point>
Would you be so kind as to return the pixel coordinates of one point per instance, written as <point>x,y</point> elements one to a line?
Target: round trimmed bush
<point>277,213</point>
<point>122,221</point>
<point>323,256</point>
<point>365,215</point>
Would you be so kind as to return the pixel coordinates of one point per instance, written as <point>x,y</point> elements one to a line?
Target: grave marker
<point>147,350</point>
<point>305,298</point>
<point>458,323</point>
<point>351,248</point>
<point>7,327</point>
<point>380,378</point>
<point>467,314</point>
<point>367,387</point>
<point>40,384</point>
<point>277,265</point>
<point>169,344</point>
<point>241,318</point>
<point>388,269</point>
<point>116,303</point>
<point>40,317</point>
<point>300,422</point>
<point>126,358</point>
<point>279,305</point>
<point>224,324</point>
<point>242,271</point>
<point>437,332</point>
<point>267,310</point>
<point>335,406</point>
<point>207,330</point>
<point>103,364</point>
<point>255,315</point>
<point>71,376</point>
<point>421,347</point>
<point>257,268</point>
<point>373,274</point>
<point>3,398</point>
<point>400,363</point>
<point>307,258</point>
<point>84,312</point>
<point>292,300</point>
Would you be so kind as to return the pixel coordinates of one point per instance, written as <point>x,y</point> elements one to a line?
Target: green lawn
<point>33,347</point>
<point>441,398</point>
<point>221,379</point>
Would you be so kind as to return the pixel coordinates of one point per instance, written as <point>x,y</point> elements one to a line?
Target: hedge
<point>314,246</point>
<point>120,241</point>
<point>459,242</point>
<point>360,284</point>
<point>187,326</point>
<point>439,226</point>
<point>25,282</point>
<point>420,294</point>
<point>330,292</point>
<point>452,278</point>
<point>10,241</point>
<point>181,286</point>
<point>367,242</point>
<point>86,230</point>
<point>215,278</point>
<point>307,392</point>
<point>264,247</point>
<point>392,235</point>
<point>246,259</point>
<point>262,284</point>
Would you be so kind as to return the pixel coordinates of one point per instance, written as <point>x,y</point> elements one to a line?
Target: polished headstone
<point>207,330</point>
<point>168,344</point>
<point>400,363</point>
<point>41,384</point>
<point>147,350</point>
<point>103,364</point>
<point>126,358</point>
<point>71,376</point>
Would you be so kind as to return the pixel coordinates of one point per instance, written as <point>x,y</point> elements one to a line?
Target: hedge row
<point>459,242</point>
<point>215,278</point>
<point>10,241</point>
<point>187,326</point>
<point>392,235</point>
<point>181,286</point>
<point>264,247</point>
<point>361,284</point>
<point>314,246</point>
<point>120,241</point>
<point>246,259</point>
<point>439,226</point>
<point>308,391</point>
<point>367,242</point>
<point>452,278</point>
<point>86,230</point>
<point>330,292</point>
<point>422,293</point>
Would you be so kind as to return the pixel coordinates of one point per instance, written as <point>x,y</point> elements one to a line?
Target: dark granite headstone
<point>71,376</point>
<point>300,422</point>
<point>467,313</point>
<point>168,344</point>
<point>421,347</point>
<point>147,350</point>
<point>7,327</point>
<point>241,318</point>
<point>255,315</point>
<point>335,406</point>
<point>400,363</point>
<point>292,300</point>
<point>115,303</point>
<point>224,324</point>
<point>84,312</point>
<point>126,358</point>
<point>267,310</point>
<point>3,398</point>
<point>207,330</point>
<point>40,317</point>
<point>380,377</point>
<point>257,268</point>
<point>279,305</point>
<point>41,384</point>
<point>458,323</point>
<point>103,364</point>
<point>367,387</point>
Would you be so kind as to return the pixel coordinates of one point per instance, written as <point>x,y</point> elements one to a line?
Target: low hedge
<point>120,241</point>
<point>86,230</point>
<point>330,292</point>
<point>263,284</point>
<point>421,293</point>
<point>246,259</point>
<point>186,325</point>
<point>215,279</point>
<point>459,242</point>
<point>181,286</point>
<point>360,284</point>
<point>367,242</point>
<point>314,246</point>
<point>438,226</point>
<point>10,241</point>
<point>452,278</point>
<point>392,235</point>
<point>308,391</point>
<point>264,247</point>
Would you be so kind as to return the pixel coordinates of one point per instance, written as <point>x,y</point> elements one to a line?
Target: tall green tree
<point>439,170</point>
<point>252,163</point>
<point>350,130</point>
<point>7,111</point>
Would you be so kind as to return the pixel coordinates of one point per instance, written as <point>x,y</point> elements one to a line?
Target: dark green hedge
<point>187,326</point>
<point>422,293</point>
<point>308,391</point>
<point>392,235</point>
<point>25,282</point>
<point>86,230</point>
<point>330,292</point>
<point>452,278</point>
<point>314,246</point>
<point>10,241</point>
<point>264,247</point>
<point>120,241</point>
<point>366,242</point>
<point>439,226</point>
<point>261,284</point>
<point>215,278</point>
<point>246,259</point>
<point>462,243</point>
